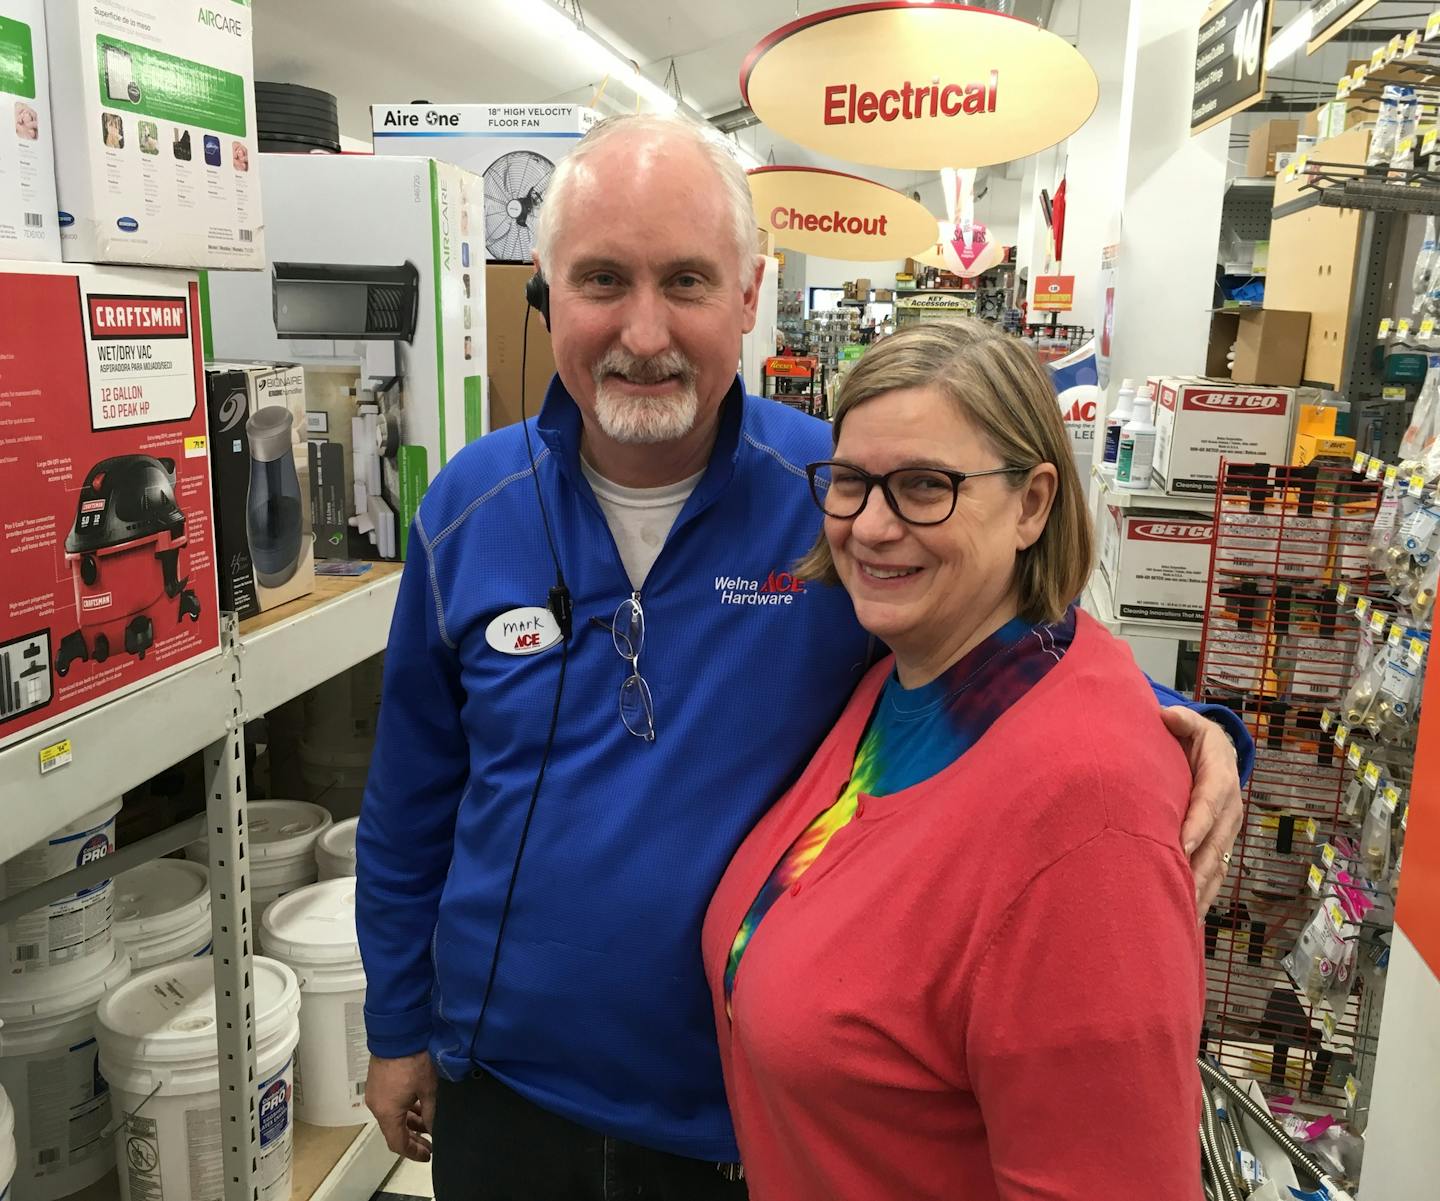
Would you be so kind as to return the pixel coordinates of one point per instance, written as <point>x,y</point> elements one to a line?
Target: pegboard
<point>1246,214</point>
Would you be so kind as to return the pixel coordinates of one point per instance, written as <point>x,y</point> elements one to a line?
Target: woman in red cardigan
<point>960,958</point>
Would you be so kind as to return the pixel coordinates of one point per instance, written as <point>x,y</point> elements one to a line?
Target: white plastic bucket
<point>68,940</point>
<point>158,1051</point>
<point>7,1145</point>
<point>313,931</point>
<point>61,1102</point>
<point>281,848</point>
<point>335,850</point>
<point>335,779</point>
<point>162,912</point>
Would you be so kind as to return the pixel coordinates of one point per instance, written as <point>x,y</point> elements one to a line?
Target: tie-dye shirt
<point>914,734</point>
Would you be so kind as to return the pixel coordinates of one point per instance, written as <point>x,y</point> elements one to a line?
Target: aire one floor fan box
<point>371,266</point>
<point>107,552</point>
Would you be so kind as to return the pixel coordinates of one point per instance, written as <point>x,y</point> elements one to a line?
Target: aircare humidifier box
<point>107,551</point>
<point>372,262</point>
<point>154,107</point>
<point>28,224</point>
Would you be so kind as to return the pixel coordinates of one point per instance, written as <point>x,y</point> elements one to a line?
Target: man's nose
<point>646,332</point>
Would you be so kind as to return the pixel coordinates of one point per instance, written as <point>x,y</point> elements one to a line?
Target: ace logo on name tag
<point>526,631</point>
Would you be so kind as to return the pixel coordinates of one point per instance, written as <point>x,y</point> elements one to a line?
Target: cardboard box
<point>506,314</point>
<point>1309,447</point>
<point>155,148</point>
<point>513,147</point>
<point>351,237</point>
<point>884,296</point>
<point>862,288</point>
<point>264,538</point>
<point>107,565</point>
<point>28,225</point>
<point>1266,141</point>
<point>1157,563</point>
<point>1199,421</point>
<point>1270,347</point>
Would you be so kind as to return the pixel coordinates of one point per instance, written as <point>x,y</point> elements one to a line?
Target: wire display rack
<point>1277,647</point>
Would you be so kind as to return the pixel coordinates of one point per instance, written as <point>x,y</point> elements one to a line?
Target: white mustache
<point>644,371</point>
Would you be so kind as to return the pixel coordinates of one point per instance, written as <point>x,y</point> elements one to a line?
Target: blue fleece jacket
<point>600,1011</point>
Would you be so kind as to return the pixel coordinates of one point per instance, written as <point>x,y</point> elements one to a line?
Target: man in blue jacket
<point>560,993</point>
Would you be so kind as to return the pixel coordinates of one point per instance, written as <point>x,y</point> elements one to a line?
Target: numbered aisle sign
<point>1229,61</point>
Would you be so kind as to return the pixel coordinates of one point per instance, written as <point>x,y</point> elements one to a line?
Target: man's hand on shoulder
<point>1216,811</point>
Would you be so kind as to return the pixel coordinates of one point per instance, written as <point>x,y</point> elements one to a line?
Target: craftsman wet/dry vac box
<point>107,551</point>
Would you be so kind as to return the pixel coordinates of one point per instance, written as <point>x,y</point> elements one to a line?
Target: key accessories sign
<point>919,87</point>
<point>839,216</point>
<point>1230,61</point>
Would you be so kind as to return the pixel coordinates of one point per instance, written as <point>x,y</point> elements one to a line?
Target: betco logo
<point>1237,402</point>
<point>1171,531</point>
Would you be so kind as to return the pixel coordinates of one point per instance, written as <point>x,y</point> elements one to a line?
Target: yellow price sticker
<point>1357,77</point>
<point>1327,1023</point>
<point>1428,140</point>
<point>1310,828</point>
<point>1417,651</point>
<point>1392,473</point>
<point>1342,89</point>
<point>1393,50</point>
<point>1326,720</point>
<point>1402,327</point>
<point>1361,458</point>
<point>1417,486</point>
<point>1393,392</point>
<point>1327,853</point>
<point>1342,735</point>
<point>1396,633</point>
<point>1352,1089</point>
<point>1372,774</point>
<point>1373,469</point>
<point>1427,327</point>
<point>1378,622</point>
<point>1391,797</point>
<point>1354,755</point>
<point>1317,878</point>
<point>1412,39</point>
<point>1337,915</point>
<point>1362,608</point>
<point>57,754</point>
<point>1342,594</point>
<point>1405,146</point>
<point>1384,332</point>
<point>1432,26</point>
<point>1377,58</point>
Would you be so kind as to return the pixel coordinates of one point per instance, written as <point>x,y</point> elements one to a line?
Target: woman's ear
<point>1037,497</point>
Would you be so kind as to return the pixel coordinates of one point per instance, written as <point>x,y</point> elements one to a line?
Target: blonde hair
<point>1000,387</point>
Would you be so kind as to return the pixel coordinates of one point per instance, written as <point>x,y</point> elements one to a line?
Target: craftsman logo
<point>138,317</point>
<point>777,588</point>
<point>101,600</point>
<point>1171,531</point>
<point>845,104</point>
<point>96,847</point>
<point>1237,402</point>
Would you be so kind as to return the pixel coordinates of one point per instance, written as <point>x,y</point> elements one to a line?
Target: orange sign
<point>838,216</point>
<point>919,87</point>
<point>1054,293</point>
<point>791,368</point>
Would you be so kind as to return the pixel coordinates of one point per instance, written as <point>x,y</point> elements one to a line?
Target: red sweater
<point>989,985</point>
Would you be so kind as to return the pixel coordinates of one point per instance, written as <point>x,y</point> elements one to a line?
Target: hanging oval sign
<point>838,216</point>
<point>919,86</point>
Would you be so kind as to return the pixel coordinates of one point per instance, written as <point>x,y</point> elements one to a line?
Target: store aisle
<point>410,1181</point>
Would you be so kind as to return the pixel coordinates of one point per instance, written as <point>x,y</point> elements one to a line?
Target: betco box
<point>1200,421</point>
<point>154,108</point>
<point>28,228</point>
<point>107,552</point>
<point>1157,563</point>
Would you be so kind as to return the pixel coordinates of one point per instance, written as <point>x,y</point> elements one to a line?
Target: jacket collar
<point>560,426</point>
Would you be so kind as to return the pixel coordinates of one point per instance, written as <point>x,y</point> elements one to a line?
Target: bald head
<point>643,154</point>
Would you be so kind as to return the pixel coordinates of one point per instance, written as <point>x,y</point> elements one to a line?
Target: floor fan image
<point>515,186</point>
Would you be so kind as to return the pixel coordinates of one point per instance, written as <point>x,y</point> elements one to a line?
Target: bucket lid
<point>339,839</point>
<point>276,830</point>
<point>314,924</point>
<point>146,897</point>
<point>168,1012</point>
<point>70,1001</point>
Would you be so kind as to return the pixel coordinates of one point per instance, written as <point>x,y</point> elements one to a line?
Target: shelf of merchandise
<point>1149,498</point>
<point>121,743</point>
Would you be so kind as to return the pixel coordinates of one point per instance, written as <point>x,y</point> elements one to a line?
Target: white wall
<point>831,273</point>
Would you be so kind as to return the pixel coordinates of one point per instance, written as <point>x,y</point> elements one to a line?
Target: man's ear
<point>752,294</point>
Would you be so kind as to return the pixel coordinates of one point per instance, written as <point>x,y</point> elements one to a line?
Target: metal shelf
<point>1346,186</point>
<point>124,742</point>
<point>1150,498</point>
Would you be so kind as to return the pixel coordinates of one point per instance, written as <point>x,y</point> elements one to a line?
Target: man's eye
<point>688,281</point>
<point>603,279</point>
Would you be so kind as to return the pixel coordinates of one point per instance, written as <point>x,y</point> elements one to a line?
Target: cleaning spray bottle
<point>1124,410</point>
<point>1136,454</point>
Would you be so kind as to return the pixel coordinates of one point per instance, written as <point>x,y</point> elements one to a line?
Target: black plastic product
<point>124,498</point>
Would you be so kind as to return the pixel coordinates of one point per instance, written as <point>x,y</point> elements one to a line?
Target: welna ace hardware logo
<point>777,588</point>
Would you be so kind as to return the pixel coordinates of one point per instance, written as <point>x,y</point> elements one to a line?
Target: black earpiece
<point>537,295</point>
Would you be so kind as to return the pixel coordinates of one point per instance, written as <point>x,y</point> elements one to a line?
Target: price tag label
<point>1337,915</point>
<point>1308,825</point>
<point>1412,39</point>
<point>1394,49</point>
<point>1384,332</point>
<point>1377,59</point>
<point>1352,1090</point>
<point>1393,392</point>
<point>1416,652</point>
<point>1357,77</point>
<point>1427,327</point>
<point>1402,327</point>
<point>1417,486</point>
<point>1373,468</point>
<point>1407,146</point>
<point>1342,735</point>
<point>1327,853</point>
<point>1372,774</point>
<point>57,754</point>
<point>1342,594</point>
<point>1354,756</point>
<point>1327,1024</point>
<point>1326,720</point>
<point>1396,633</point>
<point>1362,608</point>
<point>1342,89</point>
<point>1405,818</point>
<point>1317,879</point>
<point>1432,26</point>
<point>1391,797</point>
<point>1361,458</point>
<point>1378,622</point>
<point>1392,473</point>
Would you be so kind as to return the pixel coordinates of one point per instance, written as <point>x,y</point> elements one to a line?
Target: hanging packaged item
<point>28,212</point>
<point>155,146</point>
<point>107,571</point>
<point>1396,113</point>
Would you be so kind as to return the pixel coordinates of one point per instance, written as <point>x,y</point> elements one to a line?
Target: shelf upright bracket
<point>232,930</point>
<point>1371,299</point>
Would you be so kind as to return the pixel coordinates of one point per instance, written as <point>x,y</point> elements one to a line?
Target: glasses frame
<point>873,481</point>
<point>627,631</point>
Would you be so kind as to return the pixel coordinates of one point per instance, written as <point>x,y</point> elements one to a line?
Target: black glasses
<point>637,709</point>
<point>916,495</point>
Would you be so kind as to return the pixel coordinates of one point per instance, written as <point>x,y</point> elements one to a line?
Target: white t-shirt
<point>639,518</point>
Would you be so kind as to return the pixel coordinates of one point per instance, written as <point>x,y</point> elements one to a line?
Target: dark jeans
<point>490,1144</point>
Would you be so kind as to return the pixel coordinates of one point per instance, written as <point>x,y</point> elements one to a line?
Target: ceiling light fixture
<point>1286,44</point>
<point>601,53</point>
